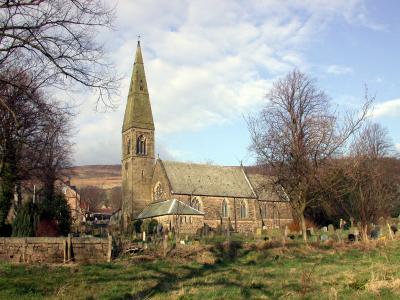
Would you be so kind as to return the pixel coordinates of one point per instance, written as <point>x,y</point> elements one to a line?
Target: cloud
<point>397,147</point>
<point>338,70</point>
<point>207,62</point>
<point>389,108</point>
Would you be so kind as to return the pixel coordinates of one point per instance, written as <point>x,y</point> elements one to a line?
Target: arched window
<point>243,209</point>
<point>141,145</point>
<point>224,209</point>
<point>158,191</point>
<point>264,211</point>
<point>128,146</point>
<point>196,203</point>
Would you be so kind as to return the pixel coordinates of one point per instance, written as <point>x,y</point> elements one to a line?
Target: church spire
<point>138,112</point>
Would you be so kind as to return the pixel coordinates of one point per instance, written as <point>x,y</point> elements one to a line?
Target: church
<point>187,196</point>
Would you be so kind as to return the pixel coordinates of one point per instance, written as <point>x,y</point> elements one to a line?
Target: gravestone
<point>353,234</point>
<point>324,229</point>
<point>324,237</point>
<point>394,228</point>
<point>331,228</point>
<point>375,233</point>
<point>258,231</point>
<point>339,235</point>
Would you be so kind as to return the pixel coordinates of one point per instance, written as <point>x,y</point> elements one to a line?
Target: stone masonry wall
<point>55,250</point>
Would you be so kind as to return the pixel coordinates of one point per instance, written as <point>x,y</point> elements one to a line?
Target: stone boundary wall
<point>56,249</point>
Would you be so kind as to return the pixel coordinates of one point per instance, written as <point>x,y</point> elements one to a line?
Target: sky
<point>209,64</point>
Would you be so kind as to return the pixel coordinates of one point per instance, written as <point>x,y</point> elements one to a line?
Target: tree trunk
<point>364,233</point>
<point>303,227</point>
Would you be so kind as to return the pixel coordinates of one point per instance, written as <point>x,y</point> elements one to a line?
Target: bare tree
<point>368,189</point>
<point>31,128</point>
<point>115,196</point>
<point>54,41</point>
<point>296,134</point>
<point>93,196</point>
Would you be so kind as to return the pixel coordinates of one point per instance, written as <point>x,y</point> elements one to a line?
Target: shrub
<point>26,220</point>
<point>149,226</point>
<point>56,211</point>
<point>137,225</point>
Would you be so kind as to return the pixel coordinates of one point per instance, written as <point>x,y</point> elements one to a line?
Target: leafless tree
<point>115,197</point>
<point>368,190</point>
<point>93,196</point>
<point>296,134</point>
<point>31,128</point>
<point>54,41</point>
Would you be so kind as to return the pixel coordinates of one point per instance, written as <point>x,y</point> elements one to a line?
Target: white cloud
<point>207,62</point>
<point>397,147</point>
<point>338,70</point>
<point>389,108</point>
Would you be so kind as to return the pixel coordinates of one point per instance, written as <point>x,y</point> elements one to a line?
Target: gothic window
<point>243,209</point>
<point>128,146</point>
<point>224,209</point>
<point>141,145</point>
<point>196,203</point>
<point>158,191</point>
<point>264,210</point>
<point>141,85</point>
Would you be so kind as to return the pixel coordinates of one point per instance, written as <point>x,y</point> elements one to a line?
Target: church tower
<point>137,145</point>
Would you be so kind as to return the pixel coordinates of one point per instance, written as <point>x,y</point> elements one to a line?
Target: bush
<point>47,228</point>
<point>56,210</point>
<point>62,214</point>
<point>26,220</point>
<point>149,226</point>
<point>137,225</point>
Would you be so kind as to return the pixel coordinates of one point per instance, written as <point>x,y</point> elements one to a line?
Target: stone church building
<point>187,195</point>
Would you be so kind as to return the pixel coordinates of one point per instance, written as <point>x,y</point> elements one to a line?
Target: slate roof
<point>208,180</point>
<point>167,207</point>
<point>263,187</point>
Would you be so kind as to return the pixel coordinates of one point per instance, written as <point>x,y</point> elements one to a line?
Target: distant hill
<point>102,176</point>
<point>107,176</point>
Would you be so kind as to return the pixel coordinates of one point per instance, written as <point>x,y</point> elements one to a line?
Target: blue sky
<point>210,63</point>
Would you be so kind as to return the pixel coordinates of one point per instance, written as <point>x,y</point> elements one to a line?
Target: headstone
<point>258,231</point>
<point>287,231</point>
<point>342,224</point>
<point>324,229</point>
<point>353,234</point>
<point>144,236</point>
<point>331,228</point>
<point>375,233</point>
<point>339,235</point>
<point>324,237</point>
<point>394,228</point>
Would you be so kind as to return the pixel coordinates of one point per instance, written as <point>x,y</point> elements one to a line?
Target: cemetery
<point>273,262</point>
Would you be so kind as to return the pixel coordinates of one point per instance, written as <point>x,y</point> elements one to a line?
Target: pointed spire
<point>138,112</point>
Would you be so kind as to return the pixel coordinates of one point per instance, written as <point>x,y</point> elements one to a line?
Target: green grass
<point>246,272</point>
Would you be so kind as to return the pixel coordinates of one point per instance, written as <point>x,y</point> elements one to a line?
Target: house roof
<point>207,180</point>
<point>167,207</point>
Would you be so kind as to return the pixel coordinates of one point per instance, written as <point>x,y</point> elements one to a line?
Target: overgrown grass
<point>239,271</point>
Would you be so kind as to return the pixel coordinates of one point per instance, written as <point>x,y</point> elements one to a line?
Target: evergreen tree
<point>26,220</point>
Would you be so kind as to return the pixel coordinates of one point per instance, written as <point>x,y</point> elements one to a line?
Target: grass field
<point>242,271</point>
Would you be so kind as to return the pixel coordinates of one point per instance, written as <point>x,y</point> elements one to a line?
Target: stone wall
<point>55,250</point>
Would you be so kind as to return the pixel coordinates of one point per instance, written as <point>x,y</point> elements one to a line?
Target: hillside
<point>102,176</point>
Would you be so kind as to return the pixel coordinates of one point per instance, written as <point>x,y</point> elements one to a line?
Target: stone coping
<point>52,240</point>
